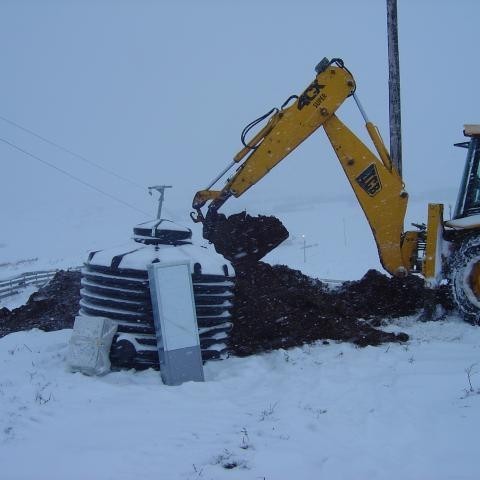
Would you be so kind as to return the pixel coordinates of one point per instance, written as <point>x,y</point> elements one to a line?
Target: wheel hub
<point>474,278</point>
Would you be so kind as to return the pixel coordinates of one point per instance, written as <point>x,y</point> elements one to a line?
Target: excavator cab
<point>468,202</point>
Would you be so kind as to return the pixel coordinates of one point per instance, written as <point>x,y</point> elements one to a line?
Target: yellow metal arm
<point>293,125</point>
<point>377,185</point>
<point>285,130</point>
<point>379,190</point>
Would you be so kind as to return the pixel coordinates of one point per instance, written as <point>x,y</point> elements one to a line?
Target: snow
<point>84,292</point>
<point>468,222</point>
<point>164,225</point>
<point>103,308</point>
<point>86,283</point>
<point>19,298</point>
<point>122,277</point>
<point>322,411</point>
<point>140,256</point>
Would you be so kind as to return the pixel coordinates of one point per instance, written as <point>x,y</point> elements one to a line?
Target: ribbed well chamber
<point>123,295</point>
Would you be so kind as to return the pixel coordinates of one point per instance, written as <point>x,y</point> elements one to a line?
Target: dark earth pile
<point>241,237</point>
<point>277,307</point>
<point>53,307</point>
<point>377,296</point>
<point>273,306</point>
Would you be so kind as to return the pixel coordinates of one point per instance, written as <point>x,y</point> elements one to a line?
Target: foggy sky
<point>159,91</point>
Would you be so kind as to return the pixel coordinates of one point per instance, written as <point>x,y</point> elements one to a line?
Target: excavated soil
<point>242,238</point>
<point>274,306</point>
<point>53,307</point>
<point>277,307</point>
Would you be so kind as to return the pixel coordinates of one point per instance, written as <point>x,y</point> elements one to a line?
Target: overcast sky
<point>159,91</point>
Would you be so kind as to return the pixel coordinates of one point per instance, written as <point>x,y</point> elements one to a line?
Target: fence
<point>13,285</point>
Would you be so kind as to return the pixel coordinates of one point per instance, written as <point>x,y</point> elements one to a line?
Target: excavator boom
<point>446,253</point>
<point>377,185</point>
<point>284,132</point>
<point>293,125</point>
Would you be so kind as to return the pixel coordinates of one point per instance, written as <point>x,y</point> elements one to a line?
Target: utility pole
<point>394,86</point>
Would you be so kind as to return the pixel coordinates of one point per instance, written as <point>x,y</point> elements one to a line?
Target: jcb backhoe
<point>445,252</point>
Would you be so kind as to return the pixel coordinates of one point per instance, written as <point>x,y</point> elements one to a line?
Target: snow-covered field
<point>323,411</point>
<point>18,299</point>
<point>158,92</point>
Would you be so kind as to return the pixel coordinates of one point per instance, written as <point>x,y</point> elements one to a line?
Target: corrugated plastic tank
<point>115,285</point>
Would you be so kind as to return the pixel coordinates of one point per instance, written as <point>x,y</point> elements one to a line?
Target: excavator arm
<point>380,192</point>
<point>285,130</point>
<point>376,183</point>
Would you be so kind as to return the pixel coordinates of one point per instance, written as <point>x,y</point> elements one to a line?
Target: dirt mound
<point>276,306</point>
<point>53,307</point>
<point>378,296</point>
<point>273,307</point>
<point>242,238</point>
<point>280,307</point>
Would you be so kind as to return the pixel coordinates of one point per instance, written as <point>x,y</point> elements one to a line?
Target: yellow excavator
<point>443,252</point>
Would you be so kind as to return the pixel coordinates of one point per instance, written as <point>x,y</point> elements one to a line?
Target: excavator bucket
<point>242,238</point>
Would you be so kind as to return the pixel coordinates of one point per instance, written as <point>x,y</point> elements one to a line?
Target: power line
<point>70,152</point>
<point>61,170</point>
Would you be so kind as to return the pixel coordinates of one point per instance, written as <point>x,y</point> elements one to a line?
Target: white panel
<point>173,287</point>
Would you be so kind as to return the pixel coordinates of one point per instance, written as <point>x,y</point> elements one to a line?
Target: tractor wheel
<point>465,279</point>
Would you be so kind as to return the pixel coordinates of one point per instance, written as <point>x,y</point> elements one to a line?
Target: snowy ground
<point>19,298</point>
<point>320,412</point>
<point>323,411</point>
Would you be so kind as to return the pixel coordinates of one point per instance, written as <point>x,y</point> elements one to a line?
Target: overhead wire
<point>71,152</point>
<point>73,177</point>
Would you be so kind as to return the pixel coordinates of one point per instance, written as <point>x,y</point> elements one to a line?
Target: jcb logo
<point>369,180</point>
<point>309,94</point>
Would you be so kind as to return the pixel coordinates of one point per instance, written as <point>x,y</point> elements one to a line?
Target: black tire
<point>465,279</point>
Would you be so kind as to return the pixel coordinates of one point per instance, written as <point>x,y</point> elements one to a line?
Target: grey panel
<point>175,320</point>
